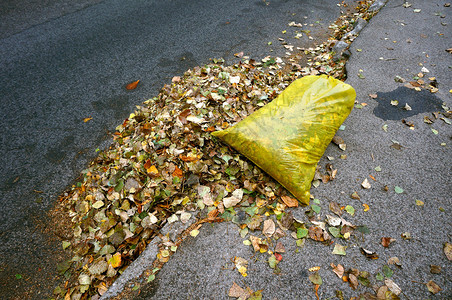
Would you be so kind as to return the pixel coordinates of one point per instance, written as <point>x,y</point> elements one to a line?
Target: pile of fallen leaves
<point>164,165</point>
<point>164,160</point>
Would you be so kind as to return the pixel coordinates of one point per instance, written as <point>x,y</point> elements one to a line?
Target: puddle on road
<point>420,102</point>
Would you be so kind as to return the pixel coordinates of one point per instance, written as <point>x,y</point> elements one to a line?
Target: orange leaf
<point>290,202</point>
<point>87,119</point>
<point>188,158</point>
<point>133,85</point>
<point>177,172</point>
<point>152,170</point>
<point>316,287</point>
<point>372,177</point>
<point>366,207</point>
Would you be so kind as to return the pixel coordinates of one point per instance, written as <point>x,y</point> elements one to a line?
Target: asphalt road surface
<point>64,61</point>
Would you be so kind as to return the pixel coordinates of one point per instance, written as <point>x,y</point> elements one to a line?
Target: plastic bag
<point>287,137</point>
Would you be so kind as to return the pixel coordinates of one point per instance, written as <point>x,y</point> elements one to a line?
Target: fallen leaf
<point>318,234</point>
<point>269,228</point>
<point>373,96</point>
<point>302,233</point>
<point>355,196</point>
<point>241,264</point>
<point>386,241</point>
<point>448,250</point>
<point>393,287</point>
<point>335,208</point>
<point>365,184</point>
<point>366,207</point>
<point>368,254</point>
<point>98,268</point>
<point>279,248</point>
<point>435,269</point>
<point>338,270</point>
<point>398,189</point>
<point>350,209</point>
<point>272,261</point>
<point>387,271</point>
<point>237,292</point>
<point>353,281</point>
<point>315,278</point>
<point>433,287</point>
<point>132,85</point>
<point>419,202</point>
<point>87,119</point>
<point>406,236</point>
<point>394,261</point>
<point>290,202</point>
<point>339,249</point>
<point>314,269</point>
<point>115,260</point>
<point>194,232</point>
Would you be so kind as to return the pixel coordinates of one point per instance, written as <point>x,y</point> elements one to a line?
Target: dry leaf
<point>393,287</point>
<point>433,287</point>
<point>365,184</point>
<point>87,119</point>
<point>338,270</point>
<point>386,241</point>
<point>269,228</point>
<point>132,85</point>
<point>279,248</point>
<point>314,269</point>
<point>236,291</point>
<point>290,202</point>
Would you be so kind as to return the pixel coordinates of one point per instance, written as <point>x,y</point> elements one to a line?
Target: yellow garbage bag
<point>287,137</point>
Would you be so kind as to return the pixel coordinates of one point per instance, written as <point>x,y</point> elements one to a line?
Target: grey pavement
<point>63,61</point>
<point>397,43</point>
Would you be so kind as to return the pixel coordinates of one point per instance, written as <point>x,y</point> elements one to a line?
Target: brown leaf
<point>290,202</point>
<point>435,269</point>
<point>269,228</point>
<point>386,241</point>
<point>353,281</point>
<point>132,85</point>
<point>236,291</point>
<point>448,250</point>
<point>355,196</point>
<point>335,208</point>
<point>280,248</point>
<point>255,241</point>
<point>373,96</point>
<point>338,140</point>
<point>394,261</point>
<point>369,254</point>
<point>318,234</point>
<point>338,270</point>
<point>433,287</point>
<point>392,286</point>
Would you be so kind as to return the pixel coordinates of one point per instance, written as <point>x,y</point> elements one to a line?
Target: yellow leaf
<point>152,170</point>
<point>87,119</point>
<point>313,269</point>
<point>194,232</point>
<point>115,260</point>
<point>366,207</point>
